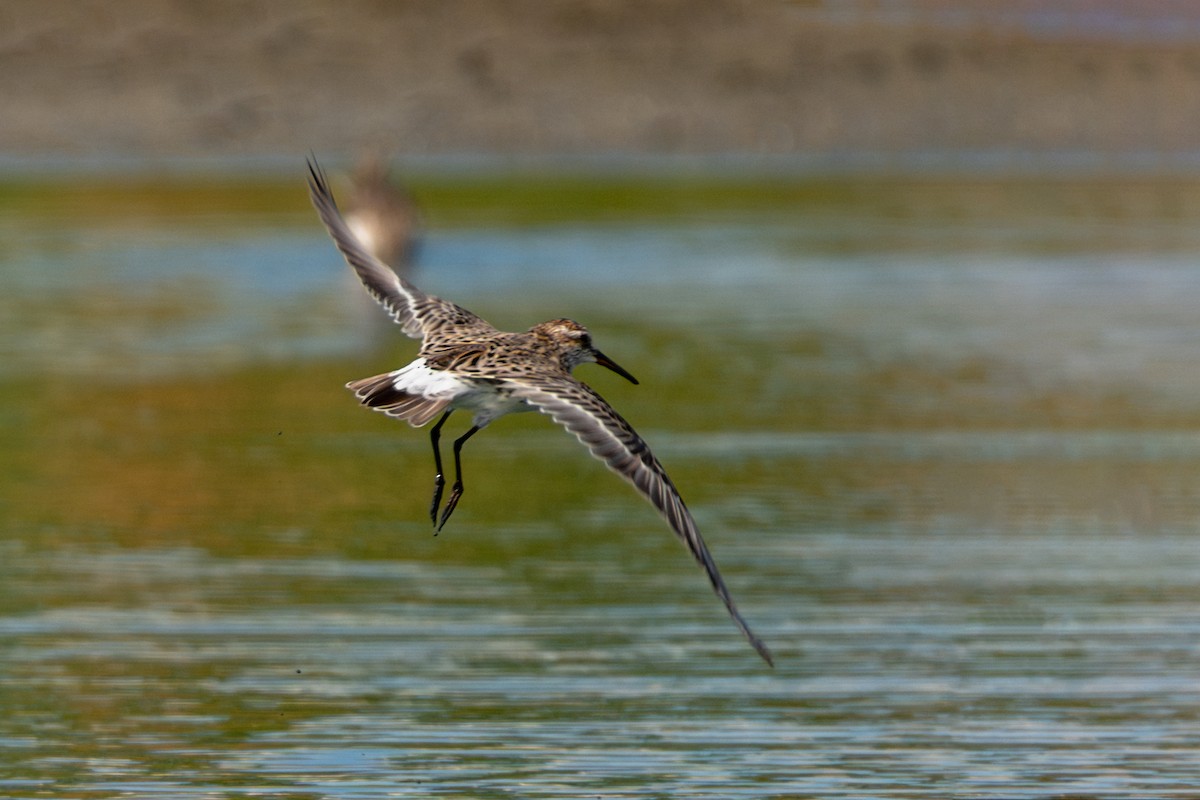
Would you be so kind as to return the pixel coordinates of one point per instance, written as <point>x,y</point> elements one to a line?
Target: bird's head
<point>574,344</point>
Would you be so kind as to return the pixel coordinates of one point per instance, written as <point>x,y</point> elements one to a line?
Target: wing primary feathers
<point>612,440</point>
<point>418,314</point>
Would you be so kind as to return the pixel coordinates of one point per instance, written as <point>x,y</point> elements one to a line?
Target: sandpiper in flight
<point>466,364</point>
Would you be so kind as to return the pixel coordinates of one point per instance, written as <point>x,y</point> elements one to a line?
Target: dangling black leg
<point>457,489</point>
<point>439,482</point>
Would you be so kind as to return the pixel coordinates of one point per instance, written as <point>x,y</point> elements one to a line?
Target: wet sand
<point>526,77</point>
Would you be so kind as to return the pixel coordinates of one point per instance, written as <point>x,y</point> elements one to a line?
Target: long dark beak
<point>605,361</point>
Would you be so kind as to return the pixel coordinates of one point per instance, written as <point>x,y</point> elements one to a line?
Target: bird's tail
<point>379,392</point>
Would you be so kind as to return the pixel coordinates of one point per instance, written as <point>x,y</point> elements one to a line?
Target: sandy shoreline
<point>151,79</point>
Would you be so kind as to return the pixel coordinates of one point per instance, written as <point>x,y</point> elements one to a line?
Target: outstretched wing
<point>610,438</point>
<point>419,314</point>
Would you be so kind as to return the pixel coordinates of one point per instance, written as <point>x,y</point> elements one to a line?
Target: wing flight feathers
<point>612,440</point>
<point>420,315</point>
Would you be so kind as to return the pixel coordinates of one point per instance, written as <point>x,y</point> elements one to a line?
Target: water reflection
<point>955,490</point>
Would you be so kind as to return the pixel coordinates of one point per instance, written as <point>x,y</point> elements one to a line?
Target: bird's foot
<point>439,483</point>
<point>455,492</point>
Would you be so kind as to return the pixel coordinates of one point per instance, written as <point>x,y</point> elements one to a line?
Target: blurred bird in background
<point>383,215</point>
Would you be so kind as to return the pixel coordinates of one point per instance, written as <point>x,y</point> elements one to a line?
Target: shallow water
<point>941,436</point>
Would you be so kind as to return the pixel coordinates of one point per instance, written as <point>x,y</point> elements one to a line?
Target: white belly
<point>365,232</point>
<point>485,401</point>
<point>488,404</point>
